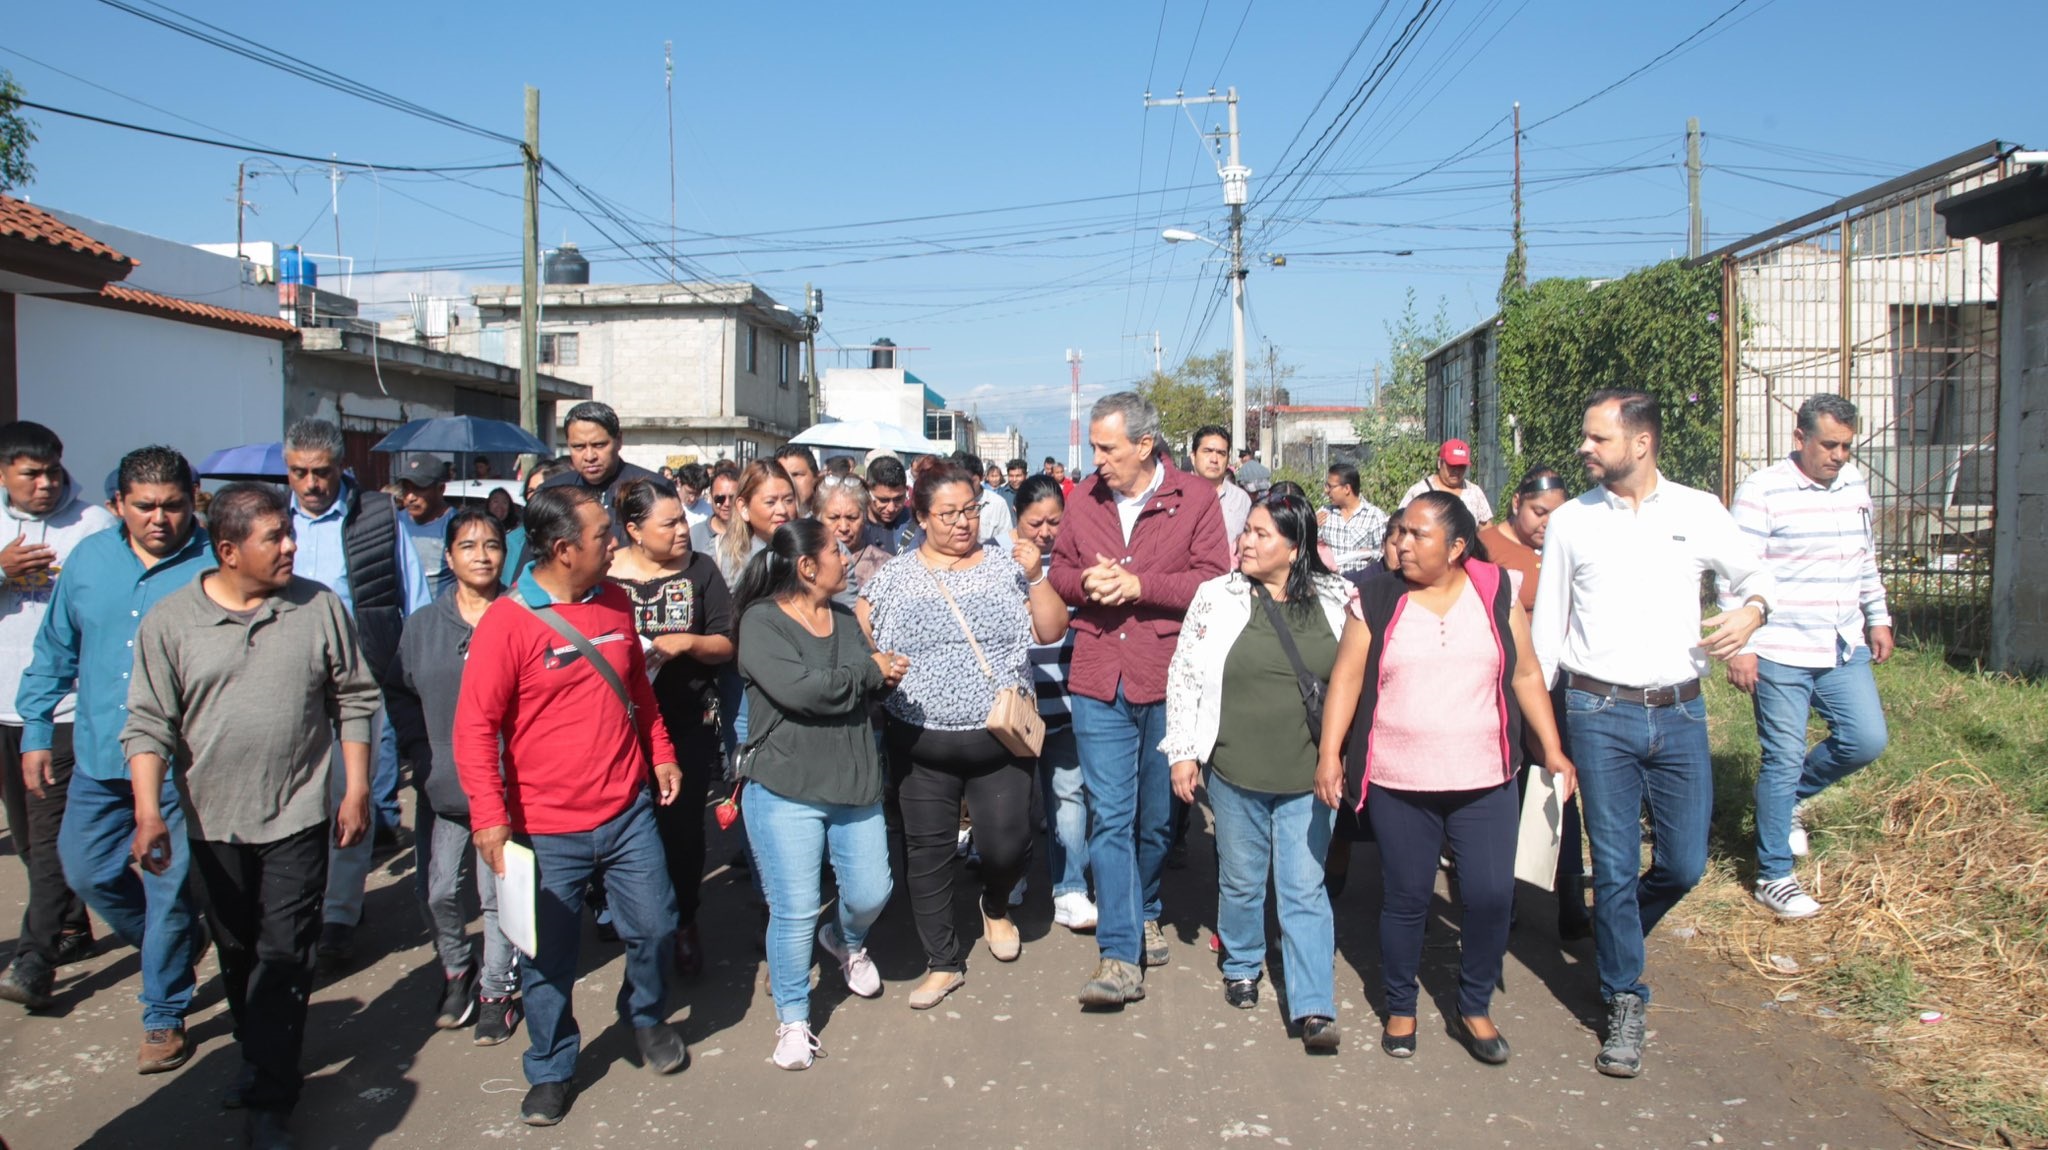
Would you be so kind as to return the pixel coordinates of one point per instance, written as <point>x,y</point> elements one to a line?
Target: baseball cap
<point>419,472</point>
<point>1455,452</point>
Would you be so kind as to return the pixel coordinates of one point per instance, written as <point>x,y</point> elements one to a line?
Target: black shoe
<point>28,980</point>
<point>1319,1033</point>
<point>238,1090</point>
<point>545,1104</point>
<point>458,1000</point>
<point>1242,993</point>
<point>387,839</point>
<point>496,1019</point>
<point>268,1130</point>
<point>337,946</point>
<point>1398,1045</point>
<point>1492,1051</point>
<point>74,946</point>
<point>661,1048</point>
<point>1621,1052</point>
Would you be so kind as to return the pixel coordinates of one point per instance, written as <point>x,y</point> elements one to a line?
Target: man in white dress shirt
<point>1618,620</point>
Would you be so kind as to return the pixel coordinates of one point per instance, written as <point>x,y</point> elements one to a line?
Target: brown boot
<point>162,1050</point>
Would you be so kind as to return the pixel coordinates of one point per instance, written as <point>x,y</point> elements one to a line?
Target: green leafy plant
<point>16,134</point>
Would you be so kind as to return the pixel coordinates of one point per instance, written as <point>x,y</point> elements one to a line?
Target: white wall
<point>883,394</point>
<point>182,270</point>
<point>110,381</point>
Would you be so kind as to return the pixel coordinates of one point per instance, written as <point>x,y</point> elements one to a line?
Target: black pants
<point>681,823</point>
<point>932,771</point>
<point>1482,828</point>
<point>33,823</point>
<point>262,901</point>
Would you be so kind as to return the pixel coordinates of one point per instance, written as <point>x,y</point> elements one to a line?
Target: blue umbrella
<point>249,461</point>
<point>463,434</point>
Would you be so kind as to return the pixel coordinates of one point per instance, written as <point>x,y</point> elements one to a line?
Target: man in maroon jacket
<point>1139,537</point>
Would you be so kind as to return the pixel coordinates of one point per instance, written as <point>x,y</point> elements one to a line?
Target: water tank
<point>883,354</point>
<point>566,265</point>
<point>294,268</point>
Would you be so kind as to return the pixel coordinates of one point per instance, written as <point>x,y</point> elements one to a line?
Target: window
<point>782,368</point>
<point>750,354</point>
<point>560,350</point>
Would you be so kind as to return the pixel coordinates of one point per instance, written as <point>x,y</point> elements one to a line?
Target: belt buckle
<point>1660,696</point>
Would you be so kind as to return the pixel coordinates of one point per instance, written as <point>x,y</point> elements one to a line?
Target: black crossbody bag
<point>598,662</point>
<point>1311,687</point>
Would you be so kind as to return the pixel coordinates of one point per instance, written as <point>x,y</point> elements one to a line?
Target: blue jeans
<point>1412,826</point>
<point>1789,774</point>
<point>384,779</point>
<point>1627,753</point>
<point>1286,836</point>
<point>1130,815</point>
<point>153,913</point>
<point>348,868</point>
<point>790,840</point>
<point>626,851</point>
<point>1066,811</point>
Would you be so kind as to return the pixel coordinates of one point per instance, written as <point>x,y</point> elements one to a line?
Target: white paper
<point>1542,830</point>
<point>518,890</point>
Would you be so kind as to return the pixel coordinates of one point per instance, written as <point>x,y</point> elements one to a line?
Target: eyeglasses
<point>955,518</point>
<point>721,499</point>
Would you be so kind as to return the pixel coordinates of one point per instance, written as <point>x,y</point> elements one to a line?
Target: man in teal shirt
<point>87,643</point>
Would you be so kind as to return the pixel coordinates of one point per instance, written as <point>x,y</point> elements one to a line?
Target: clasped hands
<point>1108,584</point>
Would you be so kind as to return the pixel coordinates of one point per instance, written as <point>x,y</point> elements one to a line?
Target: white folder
<point>1542,831</point>
<point>518,894</point>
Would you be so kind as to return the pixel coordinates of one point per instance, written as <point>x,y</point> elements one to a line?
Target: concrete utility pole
<point>1696,235</point>
<point>668,84</point>
<point>529,284</point>
<point>1074,414</point>
<point>814,304</point>
<point>1236,189</point>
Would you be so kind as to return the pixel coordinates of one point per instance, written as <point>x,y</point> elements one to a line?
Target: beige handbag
<point>1014,720</point>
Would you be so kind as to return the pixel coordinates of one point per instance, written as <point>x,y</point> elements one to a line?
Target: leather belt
<point>1684,692</point>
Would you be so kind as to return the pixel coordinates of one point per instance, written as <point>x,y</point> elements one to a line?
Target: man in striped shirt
<point>1810,517</point>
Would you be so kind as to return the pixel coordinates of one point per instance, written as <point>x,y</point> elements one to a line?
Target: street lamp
<point>1235,250</point>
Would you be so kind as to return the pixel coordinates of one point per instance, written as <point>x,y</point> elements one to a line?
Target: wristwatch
<point>1762,606</point>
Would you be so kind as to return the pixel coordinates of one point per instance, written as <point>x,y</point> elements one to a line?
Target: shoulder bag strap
<point>962,619</point>
<point>1301,670</point>
<point>597,661</point>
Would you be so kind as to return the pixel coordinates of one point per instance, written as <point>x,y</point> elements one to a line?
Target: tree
<point>1399,407</point>
<point>16,134</point>
<point>1190,396</point>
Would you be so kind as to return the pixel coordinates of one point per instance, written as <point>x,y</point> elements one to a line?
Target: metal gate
<point>1870,299</point>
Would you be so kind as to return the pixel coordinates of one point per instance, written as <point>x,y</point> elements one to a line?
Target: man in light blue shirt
<point>87,643</point>
<point>354,543</point>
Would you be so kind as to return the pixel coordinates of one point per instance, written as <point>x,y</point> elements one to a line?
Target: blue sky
<point>797,120</point>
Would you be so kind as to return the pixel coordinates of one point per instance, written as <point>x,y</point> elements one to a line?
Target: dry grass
<point>1943,909</point>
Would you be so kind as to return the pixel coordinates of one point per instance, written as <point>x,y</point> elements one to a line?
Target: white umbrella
<point>865,435</point>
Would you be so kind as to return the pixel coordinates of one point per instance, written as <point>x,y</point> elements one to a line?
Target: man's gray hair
<point>1140,417</point>
<point>315,435</point>
<point>1829,404</point>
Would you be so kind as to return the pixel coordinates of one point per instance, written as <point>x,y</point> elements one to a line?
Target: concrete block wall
<point>2019,596</point>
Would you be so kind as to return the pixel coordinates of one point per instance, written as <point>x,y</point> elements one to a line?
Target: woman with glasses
<point>1234,700</point>
<point>684,617</point>
<point>841,504</point>
<point>964,616</point>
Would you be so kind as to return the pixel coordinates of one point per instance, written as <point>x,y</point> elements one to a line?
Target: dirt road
<point>1010,1060</point>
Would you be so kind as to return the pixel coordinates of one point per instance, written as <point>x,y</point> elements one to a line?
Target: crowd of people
<point>203,725</point>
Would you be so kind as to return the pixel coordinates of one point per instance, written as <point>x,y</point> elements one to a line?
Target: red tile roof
<point>22,221</point>
<point>132,299</point>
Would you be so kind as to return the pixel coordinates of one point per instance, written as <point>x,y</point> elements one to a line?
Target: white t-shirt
<point>1128,507</point>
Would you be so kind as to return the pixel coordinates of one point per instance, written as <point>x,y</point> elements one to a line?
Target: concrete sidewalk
<point>1009,1060</point>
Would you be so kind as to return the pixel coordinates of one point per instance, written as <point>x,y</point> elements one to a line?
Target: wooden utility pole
<point>529,284</point>
<point>1696,241</point>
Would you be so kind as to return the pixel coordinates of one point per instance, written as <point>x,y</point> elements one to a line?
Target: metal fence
<point>1872,300</point>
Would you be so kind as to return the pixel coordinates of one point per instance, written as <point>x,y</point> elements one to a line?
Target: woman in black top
<point>684,617</point>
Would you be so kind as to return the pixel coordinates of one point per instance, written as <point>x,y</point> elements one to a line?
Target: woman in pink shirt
<point>1435,675</point>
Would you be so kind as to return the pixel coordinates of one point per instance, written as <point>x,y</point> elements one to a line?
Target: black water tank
<point>566,265</point>
<point>883,354</point>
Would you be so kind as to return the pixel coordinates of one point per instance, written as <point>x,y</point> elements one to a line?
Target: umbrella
<point>864,435</point>
<point>249,461</point>
<point>465,435</point>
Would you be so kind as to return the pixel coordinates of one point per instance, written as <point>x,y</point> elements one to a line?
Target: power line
<point>233,147</point>
<point>1659,58</point>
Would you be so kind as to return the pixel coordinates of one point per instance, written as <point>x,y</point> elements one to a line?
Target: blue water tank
<point>294,268</point>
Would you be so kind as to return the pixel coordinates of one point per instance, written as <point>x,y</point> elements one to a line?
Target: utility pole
<point>529,284</point>
<point>668,83</point>
<point>1158,351</point>
<point>1696,236</point>
<point>1074,413</point>
<point>334,201</point>
<point>814,303</point>
<point>241,175</point>
<point>1236,189</point>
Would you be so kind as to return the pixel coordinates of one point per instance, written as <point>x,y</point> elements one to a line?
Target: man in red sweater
<point>572,781</point>
<point>1140,536</point>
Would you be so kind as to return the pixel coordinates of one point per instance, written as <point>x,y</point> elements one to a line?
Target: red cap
<point>1455,453</point>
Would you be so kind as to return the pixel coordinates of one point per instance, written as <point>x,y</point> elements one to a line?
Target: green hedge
<point>1658,330</point>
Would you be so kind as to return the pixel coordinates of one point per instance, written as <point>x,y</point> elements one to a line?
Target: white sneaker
<point>1797,839</point>
<point>1785,898</point>
<point>1073,911</point>
<point>856,967</point>
<point>795,1045</point>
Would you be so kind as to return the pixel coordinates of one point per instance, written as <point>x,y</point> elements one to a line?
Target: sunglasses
<point>721,499</point>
